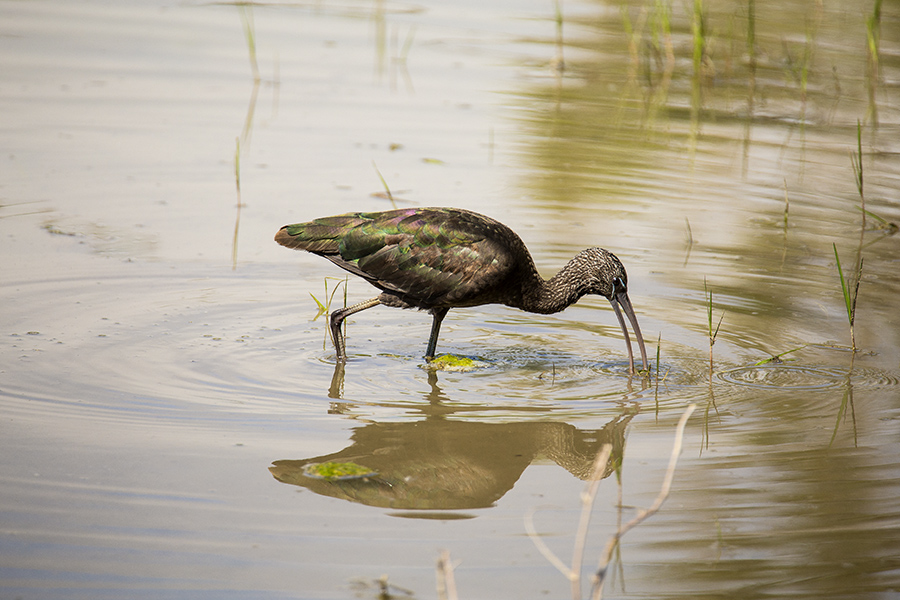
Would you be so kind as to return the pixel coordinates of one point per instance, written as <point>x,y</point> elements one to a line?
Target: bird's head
<point>603,273</point>
<point>606,276</point>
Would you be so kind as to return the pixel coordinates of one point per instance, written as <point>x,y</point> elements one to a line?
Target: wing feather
<point>430,257</point>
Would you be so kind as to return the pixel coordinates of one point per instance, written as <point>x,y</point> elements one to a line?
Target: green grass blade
<point>658,343</point>
<point>321,306</point>
<point>855,295</point>
<point>716,332</point>
<point>334,291</point>
<point>847,299</point>
<point>387,188</point>
<point>777,357</point>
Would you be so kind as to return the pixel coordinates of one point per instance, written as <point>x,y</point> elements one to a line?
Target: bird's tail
<point>321,236</point>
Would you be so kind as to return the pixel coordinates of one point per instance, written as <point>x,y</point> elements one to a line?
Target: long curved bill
<point>622,300</point>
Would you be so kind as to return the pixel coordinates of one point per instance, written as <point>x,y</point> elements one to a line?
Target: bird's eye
<point>618,284</point>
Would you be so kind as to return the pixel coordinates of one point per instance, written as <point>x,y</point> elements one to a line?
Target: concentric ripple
<point>802,377</point>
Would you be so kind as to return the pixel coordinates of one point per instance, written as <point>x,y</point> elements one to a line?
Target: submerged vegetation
<point>776,358</point>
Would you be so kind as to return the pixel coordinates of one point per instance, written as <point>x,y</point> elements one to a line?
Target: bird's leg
<point>439,314</point>
<point>336,389</point>
<point>337,319</point>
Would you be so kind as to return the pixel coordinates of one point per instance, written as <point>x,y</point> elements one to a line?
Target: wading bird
<point>436,259</point>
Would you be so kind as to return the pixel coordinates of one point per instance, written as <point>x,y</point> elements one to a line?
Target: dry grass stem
<point>573,572</point>
<point>587,506</point>
<point>643,514</point>
<point>446,584</point>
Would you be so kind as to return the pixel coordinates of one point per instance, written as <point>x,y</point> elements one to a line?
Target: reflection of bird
<point>441,258</point>
<point>440,463</point>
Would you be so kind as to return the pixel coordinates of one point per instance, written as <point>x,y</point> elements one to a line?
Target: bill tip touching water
<point>436,259</point>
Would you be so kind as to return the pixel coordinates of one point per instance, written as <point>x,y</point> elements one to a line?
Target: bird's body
<point>441,258</point>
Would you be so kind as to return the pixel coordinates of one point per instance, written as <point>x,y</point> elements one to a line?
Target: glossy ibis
<point>436,259</point>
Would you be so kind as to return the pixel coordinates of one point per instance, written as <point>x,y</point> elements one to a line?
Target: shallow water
<point>162,390</point>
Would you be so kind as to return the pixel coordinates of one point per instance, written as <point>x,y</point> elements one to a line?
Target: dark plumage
<point>441,258</point>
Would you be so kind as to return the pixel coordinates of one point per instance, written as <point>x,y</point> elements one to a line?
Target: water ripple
<point>801,377</point>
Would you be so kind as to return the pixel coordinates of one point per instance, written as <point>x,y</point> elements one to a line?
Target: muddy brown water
<point>160,402</point>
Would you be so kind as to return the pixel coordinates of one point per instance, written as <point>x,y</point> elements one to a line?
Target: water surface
<point>163,386</point>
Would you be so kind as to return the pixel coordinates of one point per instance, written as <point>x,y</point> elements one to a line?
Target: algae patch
<point>335,471</point>
<point>451,362</point>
